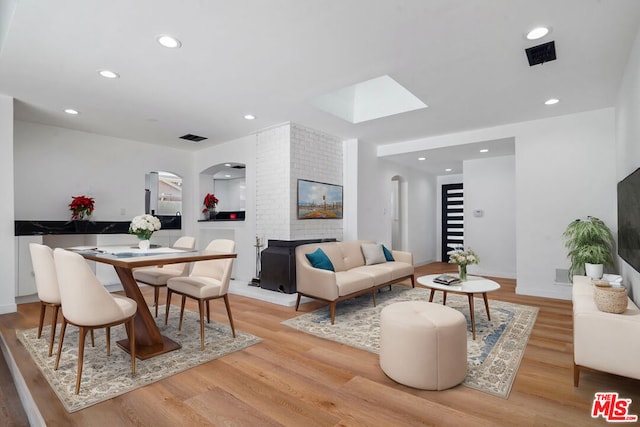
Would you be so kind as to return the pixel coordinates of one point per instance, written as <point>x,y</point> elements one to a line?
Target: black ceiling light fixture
<point>193,138</point>
<point>542,53</point>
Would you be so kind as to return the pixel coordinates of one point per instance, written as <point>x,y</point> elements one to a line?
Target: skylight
<point>369,100</point>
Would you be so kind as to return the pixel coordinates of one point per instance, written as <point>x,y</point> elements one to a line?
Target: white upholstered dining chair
<point>44,270</point>
<point>157,276</point>
<point>208,280</point>
<point>88,305</point>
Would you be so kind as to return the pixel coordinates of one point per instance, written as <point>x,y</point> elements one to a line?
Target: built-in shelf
<point>226,216</point>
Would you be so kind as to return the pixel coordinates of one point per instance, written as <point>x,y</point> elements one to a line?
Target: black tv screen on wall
<point>629,219</point>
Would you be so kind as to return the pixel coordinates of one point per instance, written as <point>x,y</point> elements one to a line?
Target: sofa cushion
<point>398,269</point>
<point>351,281</point>
<point>352,254</point>
<point>373,253</point>
<point>319,259</point>
<point>387,253</point>
<point>334,253</point>
<point>378,273</point>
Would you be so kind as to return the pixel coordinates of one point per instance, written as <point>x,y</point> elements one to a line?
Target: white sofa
<point>603,341</point>
<point>352,276</point>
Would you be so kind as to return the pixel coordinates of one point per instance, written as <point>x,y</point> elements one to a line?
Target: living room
<point>564,166</point>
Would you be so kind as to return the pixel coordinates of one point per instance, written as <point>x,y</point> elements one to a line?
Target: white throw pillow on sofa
<point>373,253</point>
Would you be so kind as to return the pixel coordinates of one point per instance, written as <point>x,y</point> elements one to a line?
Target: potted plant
<point>210,202</point>
<point>590,243</point>
<point>81,206</point>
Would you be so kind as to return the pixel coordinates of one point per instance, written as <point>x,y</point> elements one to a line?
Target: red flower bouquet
<point>81,206</point>
<point>210,202</point>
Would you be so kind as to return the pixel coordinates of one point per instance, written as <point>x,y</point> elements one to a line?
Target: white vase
<point>144,245</point>
<point>593,270</point>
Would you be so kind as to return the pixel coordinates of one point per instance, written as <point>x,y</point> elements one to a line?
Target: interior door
<point>452,218</point>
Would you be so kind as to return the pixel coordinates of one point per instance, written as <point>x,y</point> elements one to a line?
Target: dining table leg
<point>149,341</point>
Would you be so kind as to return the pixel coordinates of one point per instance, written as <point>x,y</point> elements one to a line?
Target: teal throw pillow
<point>319,259</point>
<point>387,253</point>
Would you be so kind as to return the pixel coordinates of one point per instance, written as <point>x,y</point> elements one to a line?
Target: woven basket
<point>610,299</point>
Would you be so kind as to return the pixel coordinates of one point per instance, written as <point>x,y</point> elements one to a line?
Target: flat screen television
<point>629,219</point>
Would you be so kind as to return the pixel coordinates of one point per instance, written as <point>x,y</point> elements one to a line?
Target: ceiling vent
<point>193,138</point>
<point>238,167</point>
<point>542,53</point>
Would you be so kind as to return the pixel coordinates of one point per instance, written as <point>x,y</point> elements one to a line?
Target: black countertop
<point>35,227</point>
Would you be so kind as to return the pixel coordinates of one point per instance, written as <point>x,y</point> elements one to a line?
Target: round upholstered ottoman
<point>423,345</point>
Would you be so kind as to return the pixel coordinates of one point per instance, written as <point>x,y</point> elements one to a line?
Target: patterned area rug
<point>104,378</point>
<point>493,358</point>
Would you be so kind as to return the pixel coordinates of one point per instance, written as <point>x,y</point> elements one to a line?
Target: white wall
<point>231,194</point>
<point>315,156</point>
<point>52,164</point>
<point>7,239</point>
<point>242,150</point>
<point>628,143</point>
<point>418,204</point>
<point>273,192</point>
<point>564,169</point>
<point>489,186</point>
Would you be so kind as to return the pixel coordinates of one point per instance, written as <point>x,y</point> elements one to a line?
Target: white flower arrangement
<point>143,226</point>
<point>463,257</point>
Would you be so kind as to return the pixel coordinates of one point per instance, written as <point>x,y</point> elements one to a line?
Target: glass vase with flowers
<point>463,257</point>
<point>144,226</point>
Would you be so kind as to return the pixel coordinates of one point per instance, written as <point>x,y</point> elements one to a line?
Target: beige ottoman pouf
<point>423,345</point>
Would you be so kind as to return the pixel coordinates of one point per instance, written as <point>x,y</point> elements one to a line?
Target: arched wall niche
<point>228,182</point>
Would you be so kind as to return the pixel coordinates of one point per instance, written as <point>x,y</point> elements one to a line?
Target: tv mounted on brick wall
<point>629,219</point>
<point>319,200</point>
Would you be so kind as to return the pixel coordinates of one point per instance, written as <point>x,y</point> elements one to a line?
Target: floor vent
<point>542,53</point>
<point>193,138</point>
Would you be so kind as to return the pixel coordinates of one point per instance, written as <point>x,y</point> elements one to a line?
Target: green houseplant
<point>589,241</point>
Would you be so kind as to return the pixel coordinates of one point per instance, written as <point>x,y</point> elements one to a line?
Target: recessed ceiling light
<point>551,101</point>
<point>108,74</point>
<point>447,170</point>
<point>422,158</point>
<point>228,165</point>
<point>168,41</point>
<point>484,150</point>
<point>71,111</point>
<point>249,116</point>
<point>537,33</point>
<point>227,176</point>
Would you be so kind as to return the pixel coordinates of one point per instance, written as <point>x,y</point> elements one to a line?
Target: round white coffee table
<point>473,285</point>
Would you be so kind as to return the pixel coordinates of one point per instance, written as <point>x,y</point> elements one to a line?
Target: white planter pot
<point>593,270</point>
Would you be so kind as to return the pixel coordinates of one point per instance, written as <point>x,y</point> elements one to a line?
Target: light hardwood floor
<point>295,379</point>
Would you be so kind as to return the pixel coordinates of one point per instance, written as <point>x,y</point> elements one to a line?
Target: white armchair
<point>88,305</point>
<point>44,269</point>
<point>208,280</point>
<point>157,276</point>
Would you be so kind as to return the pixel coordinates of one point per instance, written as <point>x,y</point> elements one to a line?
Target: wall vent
<point>542,53</point>
<point>193,138</point>
<point>562,276</point>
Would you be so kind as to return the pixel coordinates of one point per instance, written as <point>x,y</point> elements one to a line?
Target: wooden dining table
<point>149,341</point>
